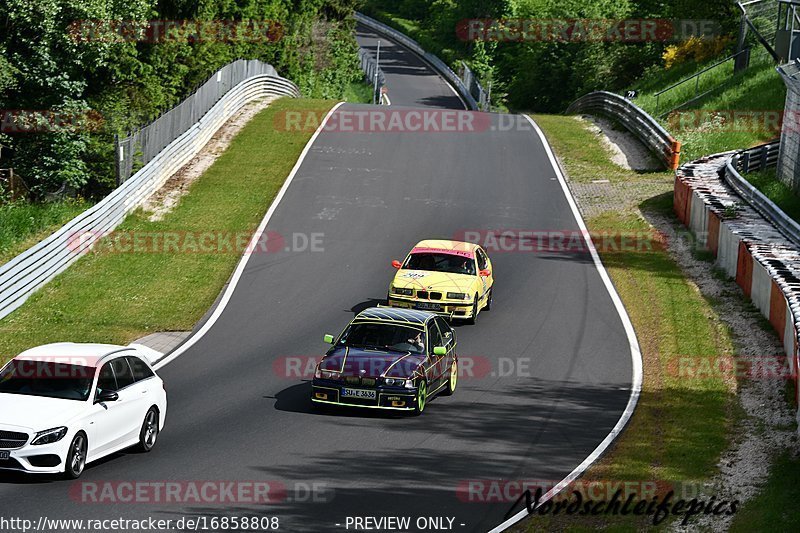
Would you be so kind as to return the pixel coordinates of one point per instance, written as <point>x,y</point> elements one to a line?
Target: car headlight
<point>49,436</point>
<point>402,291</point>
<point>456,296</point>
<point>398,382</point>
<point>326,374</point>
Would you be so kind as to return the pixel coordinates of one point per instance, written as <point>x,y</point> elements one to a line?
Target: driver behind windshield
<point>450,263</point>
<point>384,337</point>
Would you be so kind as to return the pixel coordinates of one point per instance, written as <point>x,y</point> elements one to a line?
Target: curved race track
<point>552,359</point>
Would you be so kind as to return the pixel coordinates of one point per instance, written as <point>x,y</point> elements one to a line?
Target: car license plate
<point>359,393</point>
<point>5,455</point>
<point>429,306</point>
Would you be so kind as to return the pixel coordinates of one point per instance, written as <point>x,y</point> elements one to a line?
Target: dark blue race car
<point>388,358</point>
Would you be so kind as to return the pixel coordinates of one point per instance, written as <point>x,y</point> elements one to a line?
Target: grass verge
<point>118,297</point>
<point>680,426</point>
<point>767,182</point>
<point>24,224</point>
<point>358,93</point>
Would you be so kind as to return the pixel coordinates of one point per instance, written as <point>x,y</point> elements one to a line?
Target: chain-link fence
<point>141,146</point>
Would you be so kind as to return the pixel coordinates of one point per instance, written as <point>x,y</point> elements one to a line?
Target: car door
<point>132,401</point>
<point>484,264</point>
<point>436,361</point>
<point>449,340</point>
<point>106,419</point>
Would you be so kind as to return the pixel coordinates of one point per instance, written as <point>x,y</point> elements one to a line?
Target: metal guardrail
<point>634,119</point>
<point>437,64</point>
<point>759,158</point>
<point>370,68</point>
<point>32,269</point>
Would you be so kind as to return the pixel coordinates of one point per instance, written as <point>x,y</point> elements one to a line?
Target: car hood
<point>36,413</point>
<point>371,363</point>
<point>434,281</point>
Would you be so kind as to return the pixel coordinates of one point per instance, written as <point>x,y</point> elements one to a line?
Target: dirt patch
<point>624,149</point>
<point>167,197</point>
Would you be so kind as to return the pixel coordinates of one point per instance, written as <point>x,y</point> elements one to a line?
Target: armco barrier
<point>635,120</point>
<point>762,259</point>
<point>30,270</point>
<point>437,64</point>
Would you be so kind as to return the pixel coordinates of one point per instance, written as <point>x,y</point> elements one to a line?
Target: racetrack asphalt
<point>553,363</point>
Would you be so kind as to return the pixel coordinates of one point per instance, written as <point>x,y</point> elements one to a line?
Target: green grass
<point>117,297</point>
<point>24,224</point>
<point>582,153</point>
<point>758,89</point>
<point>680,426</point>
<point>358,93</point>
<point>775,508</point>
<point>766,182</point>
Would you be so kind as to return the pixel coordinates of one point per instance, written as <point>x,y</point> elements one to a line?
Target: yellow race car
<point>451,278</point>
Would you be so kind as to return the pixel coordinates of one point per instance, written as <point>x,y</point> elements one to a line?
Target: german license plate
<point>429,306</point>
<point>363,394</point>
<point>5,455</point>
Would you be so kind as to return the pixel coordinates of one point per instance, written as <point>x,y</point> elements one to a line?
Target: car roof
<point>88,354</point>
<point>395,314</point>
<point>448,245</point>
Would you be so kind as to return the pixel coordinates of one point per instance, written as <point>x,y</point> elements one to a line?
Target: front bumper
<point>40,459</point>
<point>324,391</point>
<point>449,309</point>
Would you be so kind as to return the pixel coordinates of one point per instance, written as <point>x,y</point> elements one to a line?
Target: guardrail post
<point>675,159</point>
<point>745,159</point>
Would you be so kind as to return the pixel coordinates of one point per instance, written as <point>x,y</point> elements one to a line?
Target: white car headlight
<point>456,296</point>
<point>49,436</point>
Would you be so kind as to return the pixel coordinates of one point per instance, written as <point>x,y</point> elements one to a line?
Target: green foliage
<point>545,75</point>
<point>55,56</point>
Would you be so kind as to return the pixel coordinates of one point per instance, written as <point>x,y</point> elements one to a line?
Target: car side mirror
<point>485,273</point>
<point>396,264</point>
<point>439,350</point>
<point>106,396</point>
<point>328,338</point>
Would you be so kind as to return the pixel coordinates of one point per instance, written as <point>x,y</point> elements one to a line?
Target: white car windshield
<point>48,379</point>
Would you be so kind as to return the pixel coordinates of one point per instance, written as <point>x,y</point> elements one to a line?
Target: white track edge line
<point>226,297</point>
<point>636,354</point>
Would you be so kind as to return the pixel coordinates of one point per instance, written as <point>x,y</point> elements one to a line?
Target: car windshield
<point>384,337</point>
<point>454,264</point>
<point>48,379</point>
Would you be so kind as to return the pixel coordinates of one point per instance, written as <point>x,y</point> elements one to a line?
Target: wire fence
<point>140,147</point>
<point>33,268</point>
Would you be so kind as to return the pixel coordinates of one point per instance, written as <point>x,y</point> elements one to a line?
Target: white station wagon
<point>64,405</point>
